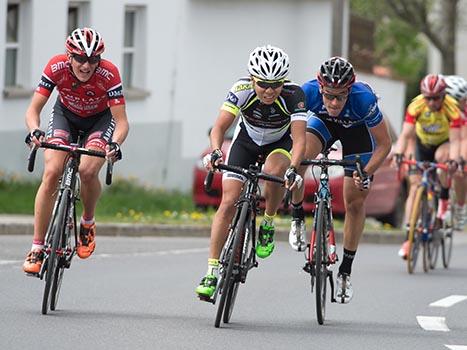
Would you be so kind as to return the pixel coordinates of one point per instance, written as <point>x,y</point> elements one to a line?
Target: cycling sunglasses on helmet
<point>264,84</point>
<point>82,59</point>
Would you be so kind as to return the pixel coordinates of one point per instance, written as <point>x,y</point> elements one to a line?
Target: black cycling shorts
<point>64,126</point>
<point>244,151</point>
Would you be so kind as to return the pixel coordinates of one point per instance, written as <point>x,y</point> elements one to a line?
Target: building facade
<point>178,59</point>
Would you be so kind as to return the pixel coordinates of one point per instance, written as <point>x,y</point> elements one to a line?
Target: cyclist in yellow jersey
<point>433,119</point>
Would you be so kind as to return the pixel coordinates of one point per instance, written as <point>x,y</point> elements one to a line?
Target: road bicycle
<point>238,255</point>
<point>320,253</point>
<point>62,237</point>
<point>427,234</point>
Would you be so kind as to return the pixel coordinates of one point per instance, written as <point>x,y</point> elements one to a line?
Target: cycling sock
<point>297,211</point>
<point>87,222</point>
<point>268,220</point>
<point>37,244</point>
<point>346,265</point>
<point>213,267</point>
<point>444,193</point>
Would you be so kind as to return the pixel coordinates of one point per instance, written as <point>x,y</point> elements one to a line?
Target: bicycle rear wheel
<point>49,299</point>
<point>415,229</point>
<point>446,247</point>
<point>321,270</point>
<point>228,279</point>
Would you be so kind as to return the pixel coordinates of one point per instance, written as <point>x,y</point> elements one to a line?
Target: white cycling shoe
<point>297,235</point>
<point>344,288</point>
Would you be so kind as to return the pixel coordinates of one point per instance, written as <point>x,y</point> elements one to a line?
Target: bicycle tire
<point>241,256</point>
<point>414,230</point>
<point>320,263</point>
<point>58,276</point>
<point>446,245</point>
<point>434,246</point>
<point>230,256</point>
<point>52,260</point>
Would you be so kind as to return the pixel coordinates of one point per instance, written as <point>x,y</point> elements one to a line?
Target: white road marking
<point>449,301</point>
<point>430,323</point>
<point>456,347</point>
<point>108,255</point>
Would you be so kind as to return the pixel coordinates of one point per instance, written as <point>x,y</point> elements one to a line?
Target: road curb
<point>20,225</point>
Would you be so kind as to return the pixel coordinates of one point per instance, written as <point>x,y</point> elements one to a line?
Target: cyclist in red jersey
<point>90,100</point>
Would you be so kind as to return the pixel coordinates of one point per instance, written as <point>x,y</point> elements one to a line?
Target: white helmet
<point>456,86</point>
<point>268,63</point>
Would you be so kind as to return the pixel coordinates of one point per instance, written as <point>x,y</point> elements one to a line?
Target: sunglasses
<point>82,59</point>
<point>330,97</point>
<point>433,98</point>
<point>263,84</point>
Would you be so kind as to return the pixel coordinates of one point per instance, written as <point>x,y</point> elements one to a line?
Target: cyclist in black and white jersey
<point>272,113</point>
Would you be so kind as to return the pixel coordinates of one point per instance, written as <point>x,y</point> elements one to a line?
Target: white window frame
<point>135,87</point>
<point>13,46</point>
<point>83,9</point>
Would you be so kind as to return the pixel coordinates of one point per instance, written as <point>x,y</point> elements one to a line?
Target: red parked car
<point>385,201</point>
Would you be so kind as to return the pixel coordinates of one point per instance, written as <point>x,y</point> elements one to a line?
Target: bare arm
<point>383,146</point>
<point>454,143</point>
<point>121,123</point>
<point>408,132</point>
<point>223,122</point>
<point>298,133</point>
<point>33,113</point>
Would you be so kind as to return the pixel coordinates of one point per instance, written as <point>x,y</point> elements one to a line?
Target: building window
<point>78,12</point>
<point>134,48</point>
<point>12,45</point>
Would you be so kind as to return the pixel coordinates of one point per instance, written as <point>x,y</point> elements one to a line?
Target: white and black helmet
<point>456,86</point>
<point>268,63</point>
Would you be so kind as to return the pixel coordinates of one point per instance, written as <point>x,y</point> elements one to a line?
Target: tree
<point>438,23</point>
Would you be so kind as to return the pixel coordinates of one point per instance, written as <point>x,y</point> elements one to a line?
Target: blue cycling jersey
<point>361,106</point>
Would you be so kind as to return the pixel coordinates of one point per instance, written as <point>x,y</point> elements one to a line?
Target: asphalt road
<point>138,293</point>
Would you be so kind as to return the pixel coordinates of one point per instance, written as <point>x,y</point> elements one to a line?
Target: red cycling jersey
<point>101,91</point>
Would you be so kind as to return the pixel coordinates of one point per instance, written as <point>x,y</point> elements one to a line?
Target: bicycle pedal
<point>31,274</point>
<point>206,299</point>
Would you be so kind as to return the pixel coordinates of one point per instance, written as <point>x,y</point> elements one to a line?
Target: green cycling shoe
<point>265,245</point>
<point>207,287</point>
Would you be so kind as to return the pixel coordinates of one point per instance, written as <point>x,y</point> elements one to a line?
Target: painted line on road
<point>430,323</point>
<point>449,301</point>
<point>456,347</point>
<point>106,255</point>
<point>9,262</point>
<point>162,252</point>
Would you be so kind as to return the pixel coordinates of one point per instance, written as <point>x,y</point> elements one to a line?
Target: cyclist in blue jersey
<point>341,109</point>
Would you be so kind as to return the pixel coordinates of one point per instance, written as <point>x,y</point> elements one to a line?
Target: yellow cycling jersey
<point>432,127</point>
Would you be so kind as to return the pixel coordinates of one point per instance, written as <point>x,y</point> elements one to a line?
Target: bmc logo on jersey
<point>104,72</point>
<point>58,66</point>
<point>232,98</point>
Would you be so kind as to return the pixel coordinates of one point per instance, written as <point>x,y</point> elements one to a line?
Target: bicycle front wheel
<point>49,298</point>
<point>230,257</point>
<point>241,257</point>
<point>415,229</point>
<point>321,270</point>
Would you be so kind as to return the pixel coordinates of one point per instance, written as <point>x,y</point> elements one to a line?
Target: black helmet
<point>336,72</point>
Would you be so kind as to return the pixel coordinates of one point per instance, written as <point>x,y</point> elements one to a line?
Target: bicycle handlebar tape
<point>208,181</point>
<point>32,159</point>
<point>108,174</point>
